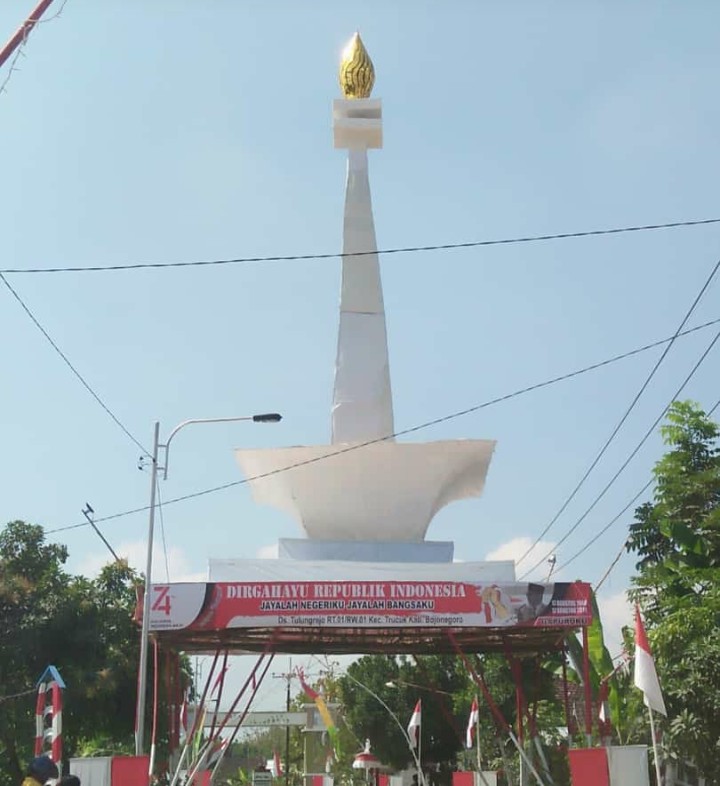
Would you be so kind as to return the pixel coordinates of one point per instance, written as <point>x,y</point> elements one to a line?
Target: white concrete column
<point>362,398</point>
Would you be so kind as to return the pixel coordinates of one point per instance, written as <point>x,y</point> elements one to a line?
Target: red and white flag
<point>413,728</point>
<point>217,749</point>
<point>645,675</point>
<point>472,723</point>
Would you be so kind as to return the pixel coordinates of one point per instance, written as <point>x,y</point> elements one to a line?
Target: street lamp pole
<point>372,693</point>
<point>145,630</point>
<point>270,417</point>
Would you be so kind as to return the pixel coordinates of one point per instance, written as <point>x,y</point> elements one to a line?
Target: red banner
<point>588,766</point>
<point>221,605</point>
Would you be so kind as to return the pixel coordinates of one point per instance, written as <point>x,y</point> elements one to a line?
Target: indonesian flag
<point>603,696</point>
<point>275,766</point>
<point>472,723</point>
<point>216,751</point>
<point>413,728</point>
<point>645,675</point>
<point>220,680</point>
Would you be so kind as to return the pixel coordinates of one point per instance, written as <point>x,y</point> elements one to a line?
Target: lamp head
<point>269,417</point>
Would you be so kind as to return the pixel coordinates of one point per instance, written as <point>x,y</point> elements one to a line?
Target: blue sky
<point>181,130</point>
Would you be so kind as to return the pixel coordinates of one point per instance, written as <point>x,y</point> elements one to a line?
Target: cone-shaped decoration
<point>357,74</point>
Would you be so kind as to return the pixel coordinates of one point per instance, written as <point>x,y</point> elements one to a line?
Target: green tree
<point>677,540</point>
<point>82,627</point>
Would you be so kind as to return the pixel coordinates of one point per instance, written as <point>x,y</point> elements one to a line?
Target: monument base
<point>365,551</point>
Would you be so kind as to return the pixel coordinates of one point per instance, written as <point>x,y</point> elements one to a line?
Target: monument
<point>364,579</point>
<point>364,496</point>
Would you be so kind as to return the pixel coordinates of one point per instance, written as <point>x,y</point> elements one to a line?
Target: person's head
<point>42,768</point>
<point>69,780</point>
<point>535,594</point>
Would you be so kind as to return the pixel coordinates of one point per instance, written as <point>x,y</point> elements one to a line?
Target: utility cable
<point>714,407</point>
<point>162,529</point>
<point>18,695</point>
<point>632,455</point>
<point>625,416</point>
<point>601,532</point>
<point>413,429</point>
<point>622,548</point>
<point>610,569</point>
<point>337,255</point>
<point>72,368</point>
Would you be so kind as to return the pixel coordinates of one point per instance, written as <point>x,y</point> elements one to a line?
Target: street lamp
<point>270,417</point>
<point>403,683</point>
<point>406,736</point>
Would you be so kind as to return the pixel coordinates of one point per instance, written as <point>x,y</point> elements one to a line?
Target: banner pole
<point>656,752</point>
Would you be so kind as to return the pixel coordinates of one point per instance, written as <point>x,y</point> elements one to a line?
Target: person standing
<point>40,770</point>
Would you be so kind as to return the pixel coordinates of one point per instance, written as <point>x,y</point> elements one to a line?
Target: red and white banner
<point>222,605</point>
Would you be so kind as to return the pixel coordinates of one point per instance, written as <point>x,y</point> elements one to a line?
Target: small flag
<point>645,675</point>
<point>277,767</point>
<point>603,696</point>
<point>472,723</point>
<point>219,680</point>
<point>413,728</point>
<point>183,717</point>
<point>311,693</point>
<point>216,751</point>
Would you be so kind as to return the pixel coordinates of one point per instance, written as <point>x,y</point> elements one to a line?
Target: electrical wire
<point>625,416</point>
<point>162,529</point>
<point>604,529</point>
<point>632,455</point>
<point>601,532</point>
<point>17,695</point>
<point>413,429</point>
<point>385,252</point>
<point>610,568</point>
<point>72,368</point>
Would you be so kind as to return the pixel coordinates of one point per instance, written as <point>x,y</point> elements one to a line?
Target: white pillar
<point>362,398</point>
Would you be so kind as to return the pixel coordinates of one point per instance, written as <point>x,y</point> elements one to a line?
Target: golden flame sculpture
<point>357,74</point>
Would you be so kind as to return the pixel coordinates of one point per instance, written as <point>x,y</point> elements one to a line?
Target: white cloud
<point>615,612</point>
<point>514,550</point>
<point>135,552</point>
<point>268,552</point>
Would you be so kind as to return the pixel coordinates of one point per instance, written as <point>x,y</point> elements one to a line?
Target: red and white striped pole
<point>48,715</point>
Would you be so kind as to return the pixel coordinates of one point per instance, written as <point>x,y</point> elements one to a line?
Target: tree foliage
<point>677,540</point>
<point>82,627</point>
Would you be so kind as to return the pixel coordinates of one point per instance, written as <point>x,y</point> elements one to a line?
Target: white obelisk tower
<point>362,401</point>
<point>365,488</point>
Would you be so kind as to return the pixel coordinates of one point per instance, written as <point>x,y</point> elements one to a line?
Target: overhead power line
<point>632,455</point>
<point>162,529</point>
<point>338,255</point>
<point>610,569</point>
<point>72,368</point>
<point>601,532</point>
<point>626,414</point>
<point>615,561</point>
<point>411,430</point>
